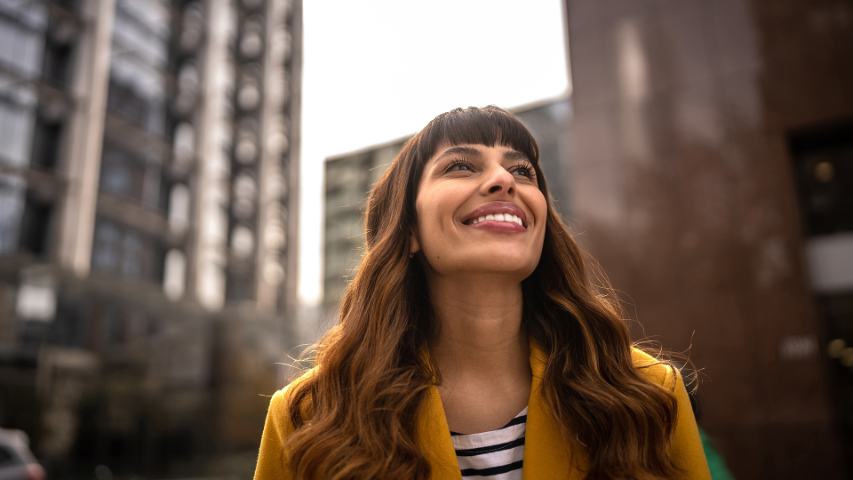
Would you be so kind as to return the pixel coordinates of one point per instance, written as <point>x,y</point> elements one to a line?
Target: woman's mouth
<point>498,222</point>
<point>498,217</point>
<point>504,217</point>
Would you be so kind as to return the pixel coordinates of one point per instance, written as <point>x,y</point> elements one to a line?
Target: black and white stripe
<point>495,455</point>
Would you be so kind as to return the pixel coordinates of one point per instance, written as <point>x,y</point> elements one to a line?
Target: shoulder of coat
<point>658,370</point>
<point>283,398</point>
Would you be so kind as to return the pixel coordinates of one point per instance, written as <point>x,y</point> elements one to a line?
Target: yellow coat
<point>546,455</point>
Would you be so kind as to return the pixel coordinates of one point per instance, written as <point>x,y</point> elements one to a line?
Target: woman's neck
<point>480,329</point>
<point>481,351</point>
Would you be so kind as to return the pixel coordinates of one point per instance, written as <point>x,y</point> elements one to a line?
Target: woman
<point>474,339</point>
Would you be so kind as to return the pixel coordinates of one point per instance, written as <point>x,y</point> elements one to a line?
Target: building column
<point>206,251</point>
<point>82,156</point>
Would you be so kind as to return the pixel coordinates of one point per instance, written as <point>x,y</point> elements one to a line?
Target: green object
<point>716,464</point>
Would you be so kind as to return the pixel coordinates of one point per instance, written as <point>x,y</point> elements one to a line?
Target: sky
<point>379,70</point>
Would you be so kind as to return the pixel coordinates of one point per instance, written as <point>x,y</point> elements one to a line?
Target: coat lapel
<point>434,438</point>
<point>546,454</point>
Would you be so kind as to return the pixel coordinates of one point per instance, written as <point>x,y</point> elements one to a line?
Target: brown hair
<point>355,417</point>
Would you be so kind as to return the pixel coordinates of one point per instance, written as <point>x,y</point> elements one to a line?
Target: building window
<point>57,64</point>
<point>105,251</point>
<point>16,131</point>
<point>145,110</point>
<point>139,64</point>
<point>121,174</point>
<point>124,251</point>
<point>46,141</point>
<point>21,39</point>
<point>35,225</point>
<point>132,178</point>
<point>12,191</point>
<point>123,100</point>
<point>823,162</point>
<point>133,255</point>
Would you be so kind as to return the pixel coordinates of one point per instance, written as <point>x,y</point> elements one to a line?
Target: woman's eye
<point>460,166</point>
<point>524,171</point>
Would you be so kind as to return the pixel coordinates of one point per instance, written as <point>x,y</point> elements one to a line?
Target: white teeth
<point>499,217</point>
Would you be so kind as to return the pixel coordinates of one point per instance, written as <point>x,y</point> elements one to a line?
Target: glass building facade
<point>147,262</point>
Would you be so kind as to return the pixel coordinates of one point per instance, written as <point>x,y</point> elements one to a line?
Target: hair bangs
<point>488,126</point>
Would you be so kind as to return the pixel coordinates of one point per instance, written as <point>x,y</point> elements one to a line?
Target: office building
<point>148,190</point>
<point>711,148</point>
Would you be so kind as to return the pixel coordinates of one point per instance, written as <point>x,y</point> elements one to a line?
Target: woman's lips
<point>494,209</point>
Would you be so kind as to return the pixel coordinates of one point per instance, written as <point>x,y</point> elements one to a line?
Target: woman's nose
<point>499,180</point>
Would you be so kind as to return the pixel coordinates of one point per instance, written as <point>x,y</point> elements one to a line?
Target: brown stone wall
<point>683,188</point>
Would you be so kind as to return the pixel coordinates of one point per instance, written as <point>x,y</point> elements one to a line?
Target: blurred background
<point>182,184</point>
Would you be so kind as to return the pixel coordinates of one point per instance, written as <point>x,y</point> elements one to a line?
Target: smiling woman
<point>479,209</point>
<point>475,339</point>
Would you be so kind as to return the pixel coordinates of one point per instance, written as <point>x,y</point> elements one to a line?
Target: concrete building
<point>148,187</point>
<point>711,149</point>
<point>350,176</point>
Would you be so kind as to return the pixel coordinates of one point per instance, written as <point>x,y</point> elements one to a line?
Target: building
<point>711,176</point>
<point>148,187</point>
<point>350,176</point>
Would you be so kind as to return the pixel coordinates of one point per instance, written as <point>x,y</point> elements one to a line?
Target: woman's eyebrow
<point>459,149</point>
<point>514,155</point>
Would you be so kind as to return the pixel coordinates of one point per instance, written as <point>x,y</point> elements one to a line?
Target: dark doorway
<point>823,166</point>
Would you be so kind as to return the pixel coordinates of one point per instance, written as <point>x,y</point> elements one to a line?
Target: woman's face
<point>480,210</point>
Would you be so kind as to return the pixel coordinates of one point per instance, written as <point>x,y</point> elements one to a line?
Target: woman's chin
<point>517,270</point>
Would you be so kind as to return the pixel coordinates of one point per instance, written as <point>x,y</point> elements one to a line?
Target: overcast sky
<point>376,71</point>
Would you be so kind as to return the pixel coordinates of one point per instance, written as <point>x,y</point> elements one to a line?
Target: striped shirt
<point>496,455</point>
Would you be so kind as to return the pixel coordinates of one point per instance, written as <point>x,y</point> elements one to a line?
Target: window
<point>133,255</point>
<point>823,162</point>
<point>21,42</point>
<point>123,100</point>
<point>35,224</point>
<point>46,141</point>
<point>132,178</point>
<point>139,64</point>
<point>15,135</point>
<point>105,251</point>
<point>146,111</point>
<point>12,191</point>
<point>56,68</point>
<point>123,251</point>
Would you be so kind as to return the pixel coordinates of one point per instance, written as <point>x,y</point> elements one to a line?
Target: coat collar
<point>546,454</point>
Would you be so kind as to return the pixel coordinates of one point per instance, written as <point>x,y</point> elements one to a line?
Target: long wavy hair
<point>354,417</point>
